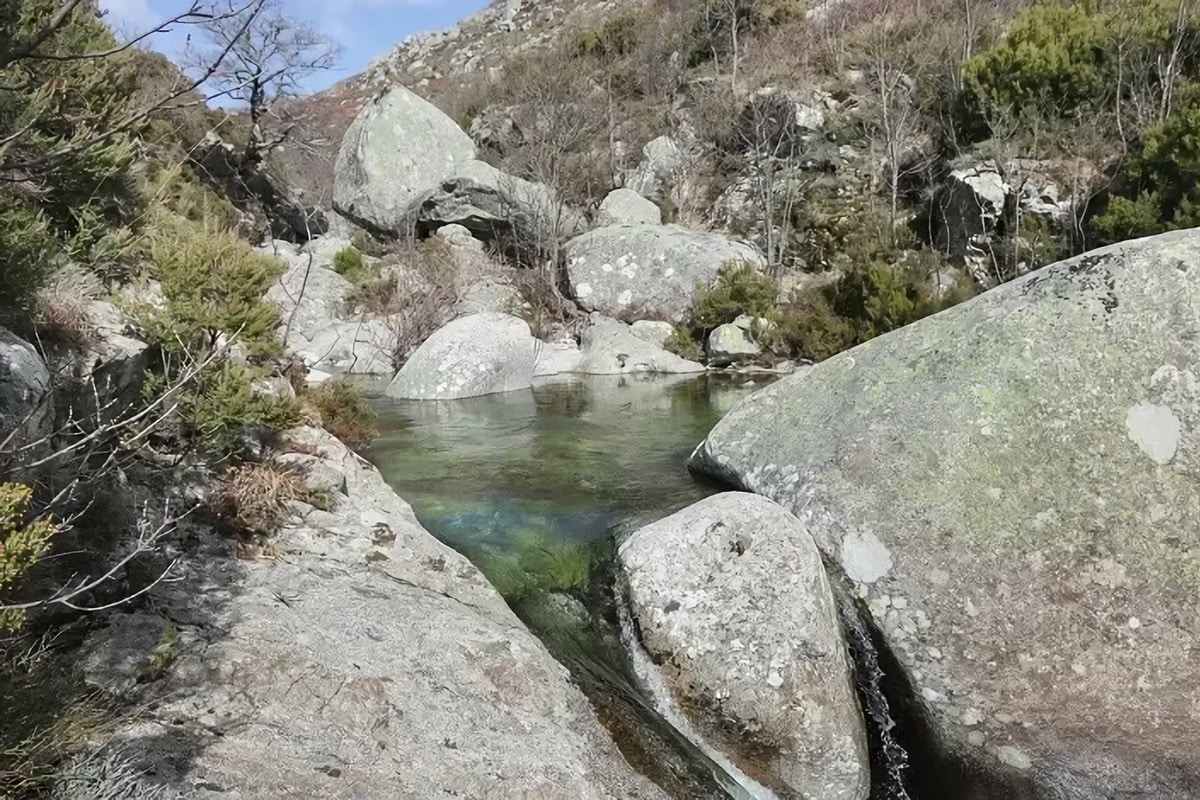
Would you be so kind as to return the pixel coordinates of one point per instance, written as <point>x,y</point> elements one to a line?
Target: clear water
<point>534,486</point>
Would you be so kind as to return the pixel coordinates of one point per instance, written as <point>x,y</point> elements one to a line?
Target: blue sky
<point>365,28</point>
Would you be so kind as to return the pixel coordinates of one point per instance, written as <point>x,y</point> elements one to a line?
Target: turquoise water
<point>533,487</point>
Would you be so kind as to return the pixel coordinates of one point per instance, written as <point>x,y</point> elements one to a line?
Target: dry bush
<point>49,715</point>
<point>341,410</point>
<point>416,285</point>
<point>256,498</point>
<point>783,54</point>
<point>62,311</point>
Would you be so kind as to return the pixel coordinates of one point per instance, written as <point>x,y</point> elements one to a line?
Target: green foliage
<point>1063,60</point>
<point>342,412</point>
<point>22,543</point>
<point>214,285</point>
<point>1161,183</point>
<point>1054,59</point>
<point>683,343</point>
<point>221,401</point>
<point>348,262</point>
<point>1130,218</point>
<point>739,289</point>
<point>62,137</point>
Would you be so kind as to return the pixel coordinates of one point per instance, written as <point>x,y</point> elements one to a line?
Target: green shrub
<point>616,37</point>
<point>1161,185</point>
<point>348,262</point>
<point>1130,218</point>
<point>1063,60</point>
<point>214,285</point>
<point>342,411</point>
<point>73,185</point>
<point>739,289</point>
<point>220,402</point>
<point>683,343</point>
<point>22,544</point>
<point>808,328</point>
<point>1053,59</point>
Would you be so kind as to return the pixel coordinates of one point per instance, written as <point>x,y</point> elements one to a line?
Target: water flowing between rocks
<point>536,488</point>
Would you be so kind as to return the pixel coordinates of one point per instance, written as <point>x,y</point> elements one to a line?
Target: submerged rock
<point>479,354</point>
<point>372,661</point>
<point>1011,485</point>
<point>730,596</point>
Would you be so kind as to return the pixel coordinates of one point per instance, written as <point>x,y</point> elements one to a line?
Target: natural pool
<point>534,486</point>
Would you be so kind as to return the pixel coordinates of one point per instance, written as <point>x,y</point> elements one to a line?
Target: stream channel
<point>536,488</point>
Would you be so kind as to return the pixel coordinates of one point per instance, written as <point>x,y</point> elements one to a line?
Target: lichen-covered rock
<point>398,146</point>
<point>1011,485</point>
<point>627,207</point>
<point>372,661</point>
<point>654,331</point>
<point>734,341</point>
<point>663,165</point>
<point>611,348</point>
<point>730,595</point>
<point>480,354</point>
<point>639,271</point>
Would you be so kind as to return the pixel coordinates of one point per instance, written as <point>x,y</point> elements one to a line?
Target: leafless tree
<point>776,144</point>
<point>894,119</point>
<point>269,56</point>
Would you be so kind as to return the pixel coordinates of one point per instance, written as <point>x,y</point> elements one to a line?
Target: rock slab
<point>1011,485</point>
<point>372,661</point>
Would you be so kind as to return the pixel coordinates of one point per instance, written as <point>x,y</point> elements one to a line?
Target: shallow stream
<point>535,488</point>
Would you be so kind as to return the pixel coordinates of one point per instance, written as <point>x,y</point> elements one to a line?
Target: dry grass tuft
<point>255,499</point>
<point>339,408</point>
<point>62,312</point>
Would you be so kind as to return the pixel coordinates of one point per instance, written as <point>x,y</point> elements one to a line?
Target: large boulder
<point>495,206</point>
<point>26,407</point>
<point>480,354</point>
<point>371,661</point>
<point>730,596</point>
<point>638,271</point>
<point>609,347</point>
<point>1010,485</point>
<point>398,146</point>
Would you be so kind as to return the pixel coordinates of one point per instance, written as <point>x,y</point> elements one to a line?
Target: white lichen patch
<point>1155,430</point>
<point>1014,757</point>
<point>864,557</point>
